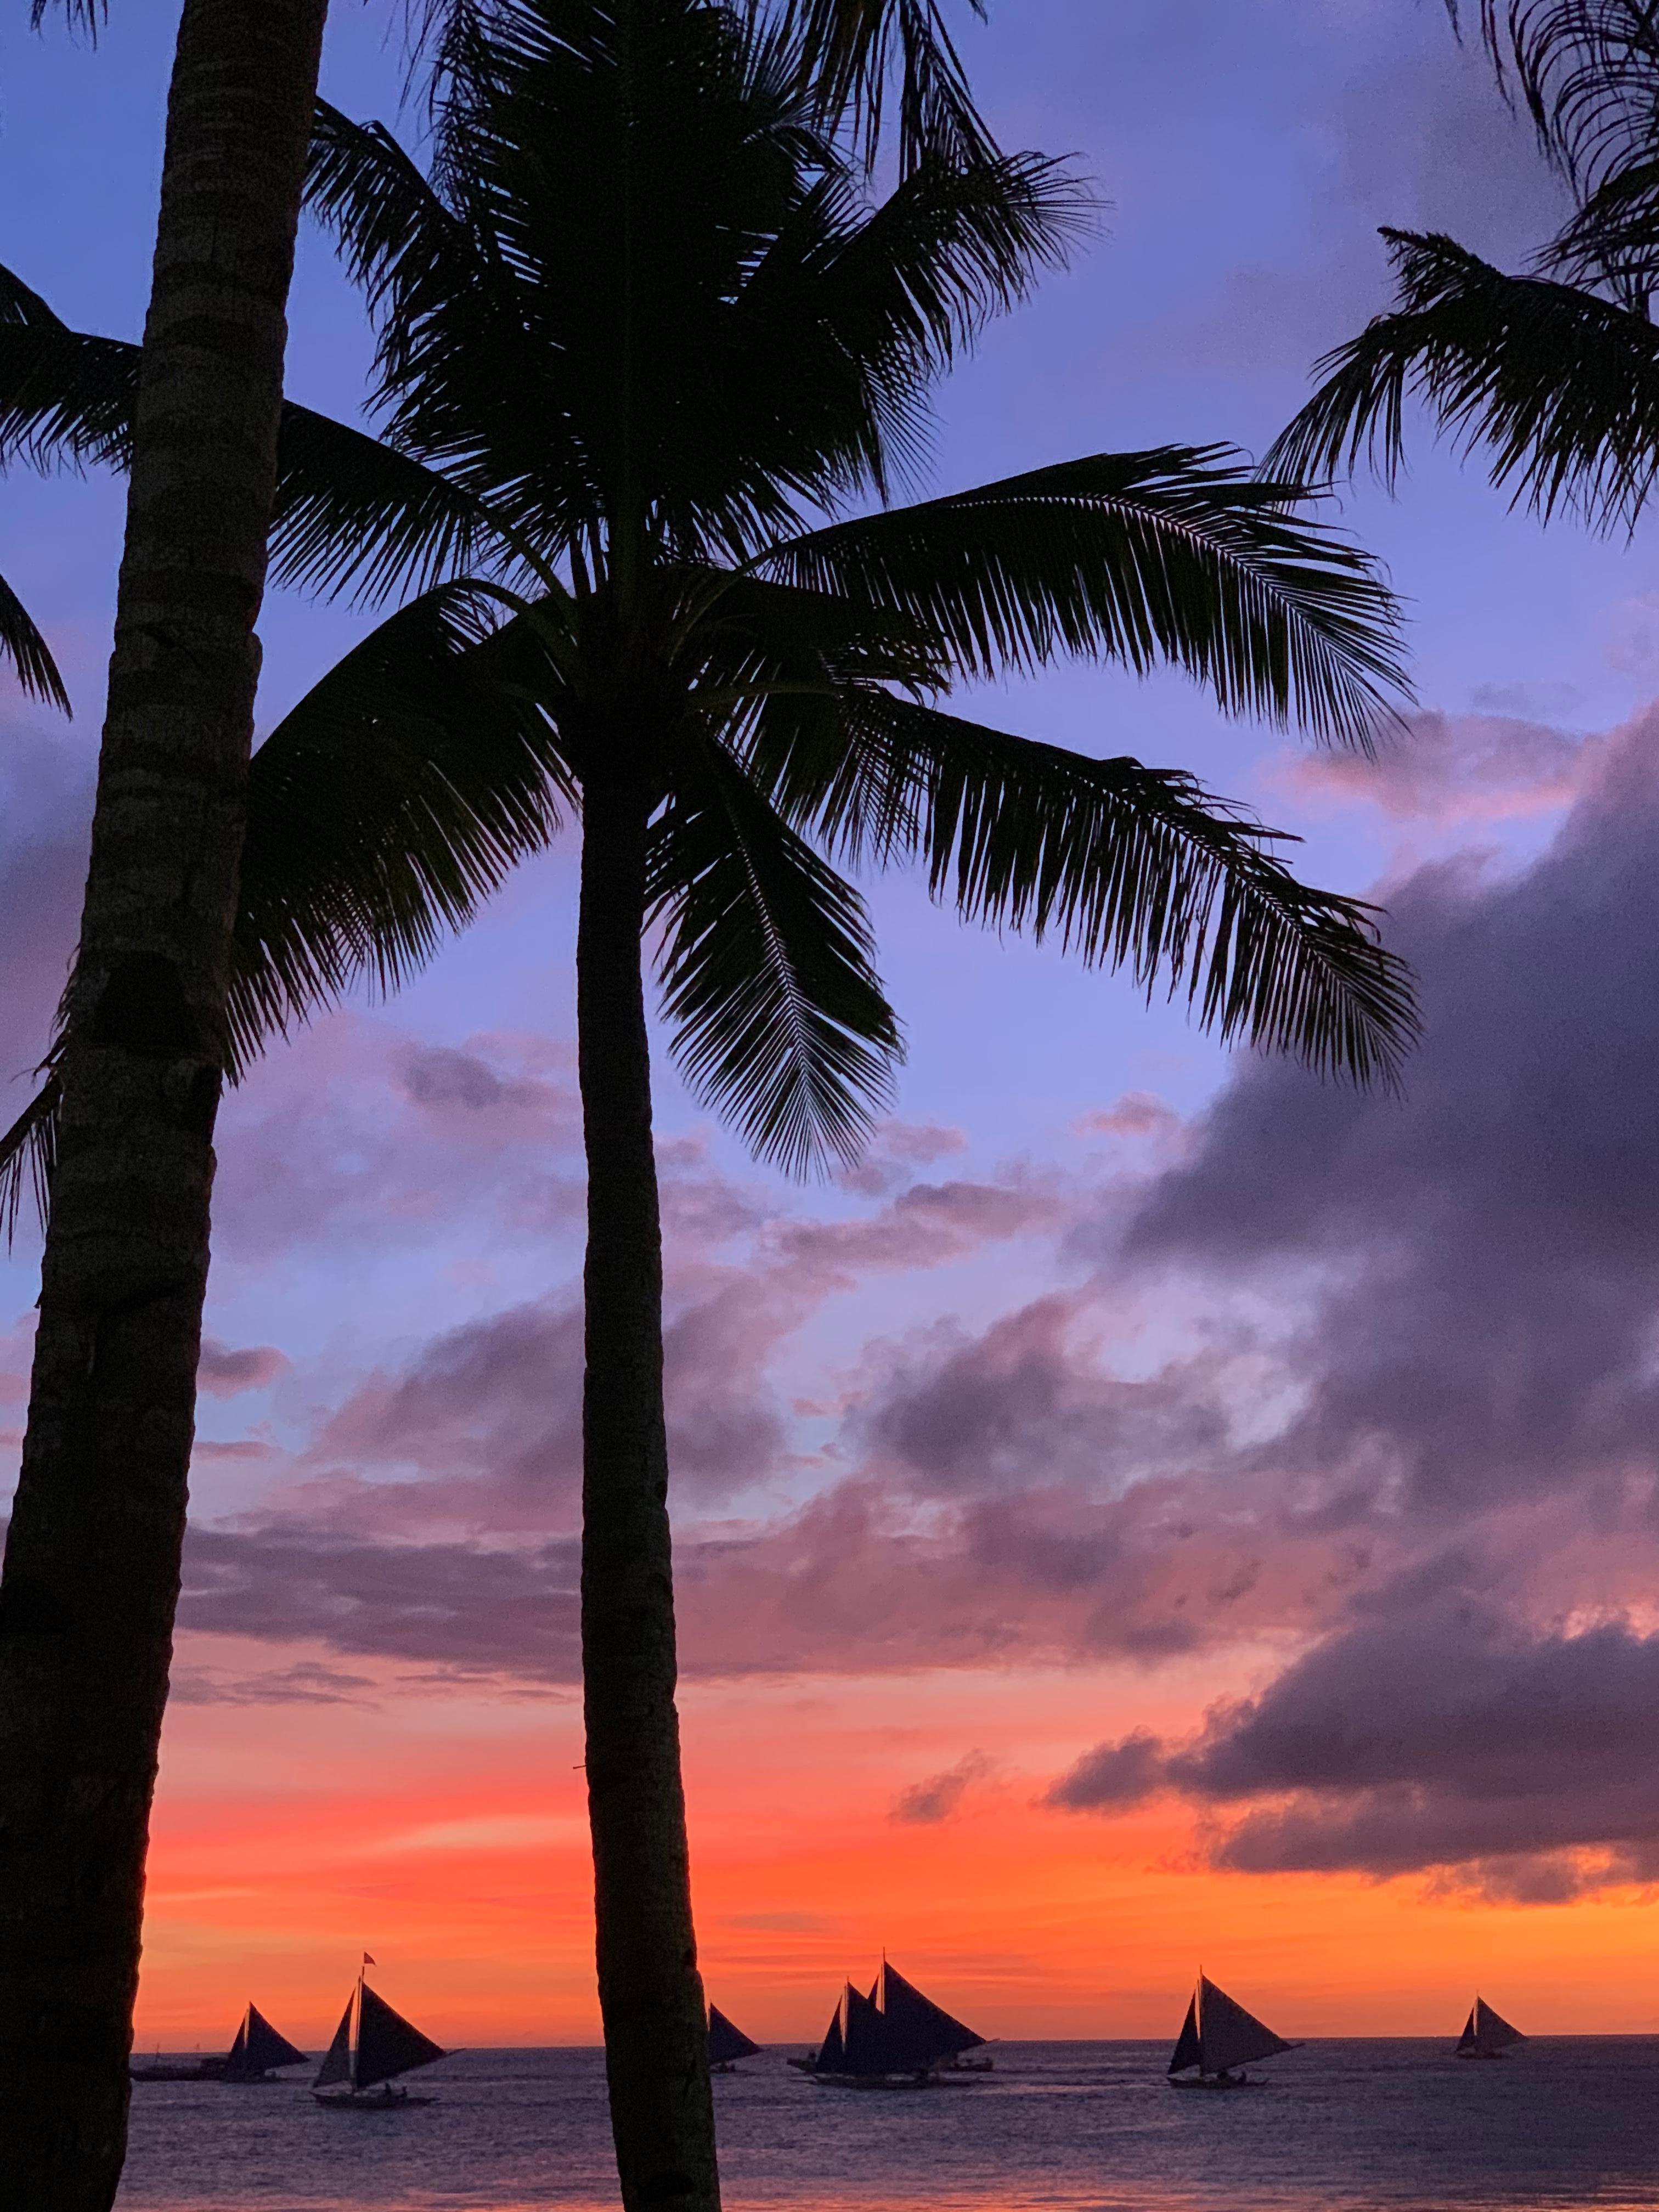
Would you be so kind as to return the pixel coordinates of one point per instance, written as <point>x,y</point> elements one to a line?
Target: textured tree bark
<point>656,2042</point>
<point>91,1574</point>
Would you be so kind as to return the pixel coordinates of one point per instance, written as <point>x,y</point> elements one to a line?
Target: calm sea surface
<point>1059,2127</point>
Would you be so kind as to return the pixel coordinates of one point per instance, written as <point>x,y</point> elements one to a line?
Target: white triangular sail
<point>1228,2035</point>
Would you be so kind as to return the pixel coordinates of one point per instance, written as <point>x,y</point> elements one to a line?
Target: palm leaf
<point>1613,237</point>
<point>1174,555</point>
<point>1127,865</point>
<point>858,52</point>
<point>22,643</point>
<point>1588,73</point>
<point>778,1018</point>
<point>381,810</point>
<point>388,805</point>
<point>87,15</point>
<point>29,1154</point>
<point>1560,386</point>
<point>351,512</point>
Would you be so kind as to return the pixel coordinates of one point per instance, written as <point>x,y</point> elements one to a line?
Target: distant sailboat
<point>726,2043</point>
<point>371,2046</point>
<point>253,2057</point>
<point>257,2051</point>
<point>1218,2037</point>
<point>1486,2034</point>
<point>894,2038</point>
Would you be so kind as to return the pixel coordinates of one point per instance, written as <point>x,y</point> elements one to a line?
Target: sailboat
<point>1486,2033</point>
<point>254,2056</point>
<point>726,2043</point>
<point>372,2045</point>
<point>1219,2038</point>
<point>255,2053</point>
<point>894,2038</point>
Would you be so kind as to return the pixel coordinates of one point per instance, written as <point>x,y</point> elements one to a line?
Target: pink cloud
<point>1448,769</point>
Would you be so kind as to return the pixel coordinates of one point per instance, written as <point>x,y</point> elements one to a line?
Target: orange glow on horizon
<point>443,1829</point>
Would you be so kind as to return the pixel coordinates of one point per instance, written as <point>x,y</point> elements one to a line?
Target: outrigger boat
<point>253,2057</point>
<point>726,2043</point>
<point>1486,2033</point>
<point>372,2045</point>
<point>894,2038</point>
<point>1220,2039</point>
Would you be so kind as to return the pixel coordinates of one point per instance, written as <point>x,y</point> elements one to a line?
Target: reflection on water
<point>1563,2125</point>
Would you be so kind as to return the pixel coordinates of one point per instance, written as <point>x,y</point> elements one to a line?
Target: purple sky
<point>1116,1349</point>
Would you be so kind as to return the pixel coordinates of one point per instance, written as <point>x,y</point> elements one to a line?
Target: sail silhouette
<point>918,2032</point>
<point>258,2049</point>
<point>832,2052</point>
<point>896,2034</point>
<point>1486,2033</point>
<point>372,2045</point>
<point>1219,2035</point>
<point>726,2042</point>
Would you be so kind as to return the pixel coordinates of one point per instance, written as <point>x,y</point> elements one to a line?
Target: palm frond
<point>87,15</point>
<point>863,56</point>
<point>1588,74</point>
<point>1178,553</point>
<point>351,515</point>
<point>1613,238</point>
<point>29,1154</point>
<point>1561,387</point>
<point>22,643</point>
<point>778,1018</point>
<point>354,515</point>
<point>396,236</point>
<point>386,805</point>
<point>1126,866</point>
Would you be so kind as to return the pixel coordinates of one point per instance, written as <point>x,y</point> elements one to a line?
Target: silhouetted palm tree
<point>652,359</point>
<point>91,1568</point>
<point>1554,375</point>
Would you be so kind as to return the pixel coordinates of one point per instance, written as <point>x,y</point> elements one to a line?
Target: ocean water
<point>1565,2122</point>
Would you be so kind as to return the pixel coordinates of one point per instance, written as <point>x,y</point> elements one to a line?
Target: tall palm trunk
<point>650,1992</point>
<point>91,1574</point>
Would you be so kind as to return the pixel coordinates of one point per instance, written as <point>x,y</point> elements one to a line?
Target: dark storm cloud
<point>1475,1389</point>
<point>1025,1399</point>
<point>1492,1244</point>
<point>1451,1735</point>
<point>453,1605</point>
<point>1112,1776</point>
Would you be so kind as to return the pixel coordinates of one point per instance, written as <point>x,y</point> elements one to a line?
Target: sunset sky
<point>1160,1510</point>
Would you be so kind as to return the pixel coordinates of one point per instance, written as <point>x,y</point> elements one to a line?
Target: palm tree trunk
<point>91,1574</point>
<point>656,2043</point>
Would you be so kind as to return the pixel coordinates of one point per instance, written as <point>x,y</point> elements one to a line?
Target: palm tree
<point>1554,375</point>
<point>92,1552</point>
<point>652,358</point>
<point>91,1570</point>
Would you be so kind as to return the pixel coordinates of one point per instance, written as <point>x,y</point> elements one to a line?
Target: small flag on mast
<point>368,1961</point>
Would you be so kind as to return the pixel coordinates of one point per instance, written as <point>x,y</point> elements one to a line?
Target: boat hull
<point>1199,2083</point>
<point>368,2102</point>
<point>877,2081</point>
